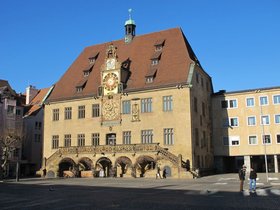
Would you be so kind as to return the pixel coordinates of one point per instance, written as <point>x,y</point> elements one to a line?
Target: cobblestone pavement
<point>212,192</point>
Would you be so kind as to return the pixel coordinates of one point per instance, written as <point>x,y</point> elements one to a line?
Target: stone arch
<point>104,167</point>
<point>168,171</point>
<point>124,163</point>
<point>66,164</point>
<point>85,164</point>
<point>145,163</point>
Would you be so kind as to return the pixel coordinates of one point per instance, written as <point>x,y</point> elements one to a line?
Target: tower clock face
<point>110,63</point>
<point>110,81</point>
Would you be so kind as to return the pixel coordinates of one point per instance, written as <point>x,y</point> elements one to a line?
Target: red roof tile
<point>174,64</point>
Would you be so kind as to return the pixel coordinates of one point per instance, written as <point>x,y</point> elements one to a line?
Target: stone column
<point>276,164</point>
<point>247,162</point>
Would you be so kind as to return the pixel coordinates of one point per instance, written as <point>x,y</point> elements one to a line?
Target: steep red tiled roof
<point>36,103</point>
<point>173,66</point>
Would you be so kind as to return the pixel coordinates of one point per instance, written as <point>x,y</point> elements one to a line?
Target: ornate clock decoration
<point>110,109</point>
<point>110,81</point>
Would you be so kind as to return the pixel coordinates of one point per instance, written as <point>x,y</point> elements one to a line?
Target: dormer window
<point>93,57</point>
<point>88,69</point>
<point>86,73</point>
<point>155,58</point>
<point>159,44</point>
<point>158,47</point>
<point>154,62</point>
<point>150,76</point>
<point>80,86</point>
<point>79,89</point>
<point>149,79</point>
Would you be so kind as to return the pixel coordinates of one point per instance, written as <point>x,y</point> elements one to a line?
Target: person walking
<point>242,173</point>
<point>253,177</point>
<point>164,173</point>
<point>158,173</point>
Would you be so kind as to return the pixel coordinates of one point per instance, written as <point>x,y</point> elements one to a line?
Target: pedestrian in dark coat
<point>253,177</point>
<point>242,173</point>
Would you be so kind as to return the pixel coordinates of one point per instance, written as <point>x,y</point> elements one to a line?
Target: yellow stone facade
<point>245,139</point>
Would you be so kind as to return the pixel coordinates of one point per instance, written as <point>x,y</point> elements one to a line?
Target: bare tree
<point>9,145</point>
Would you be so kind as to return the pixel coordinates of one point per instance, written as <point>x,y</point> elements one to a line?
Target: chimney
<point>31,92</point>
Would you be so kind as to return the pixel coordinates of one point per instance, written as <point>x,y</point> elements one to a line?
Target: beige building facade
<point>247,129</point>
<point>129,108</point>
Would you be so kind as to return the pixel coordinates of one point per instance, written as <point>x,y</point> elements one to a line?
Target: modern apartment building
<point>246,129</point>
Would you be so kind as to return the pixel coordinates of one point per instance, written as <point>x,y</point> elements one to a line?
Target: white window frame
<point>269,137</point>
<point>275,118</point>
<point>278,101</point>
<point>247,102</point>
<point>268,117</point>
<point>230,121</point>
<point>234,138</point>
<point>256,139</point>
<point>277,134</point>
<point>261,101</point>
<point>248,120</point>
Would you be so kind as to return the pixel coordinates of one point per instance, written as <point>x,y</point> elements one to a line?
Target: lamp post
<point>264,140</point>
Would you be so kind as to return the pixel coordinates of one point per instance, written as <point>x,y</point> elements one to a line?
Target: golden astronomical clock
<point>110,109</point>
<point>110,81</point>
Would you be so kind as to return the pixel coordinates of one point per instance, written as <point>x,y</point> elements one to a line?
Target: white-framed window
<point>278,138</point>
<point>234,141</point>
<point>231,140</point>
<point>230,103</point>
<point>168,134</point>
<point>265,120</point>
<point>276,99</point>
<point>233,121</point>
<point>250,102</point>
<point>253,140</point>
<point>251,121</point>
<point>277,119</point>
<point>263,100</point>
<point>266,139</point>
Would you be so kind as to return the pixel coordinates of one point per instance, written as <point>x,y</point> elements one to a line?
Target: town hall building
<point>129,107</point>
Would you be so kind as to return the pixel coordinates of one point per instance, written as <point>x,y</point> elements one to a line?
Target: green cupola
<point>129,28</point>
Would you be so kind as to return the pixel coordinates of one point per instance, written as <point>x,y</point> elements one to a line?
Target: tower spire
<point>129,28</point>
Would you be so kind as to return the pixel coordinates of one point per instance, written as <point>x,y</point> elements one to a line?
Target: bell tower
<point>129,28</point>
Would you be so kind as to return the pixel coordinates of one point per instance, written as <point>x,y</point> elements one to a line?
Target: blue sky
<point>237,42</point>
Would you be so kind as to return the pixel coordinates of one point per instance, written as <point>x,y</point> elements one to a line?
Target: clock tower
<point>111,83</point>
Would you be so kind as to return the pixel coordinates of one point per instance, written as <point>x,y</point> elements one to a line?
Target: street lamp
<point>264,140</point>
